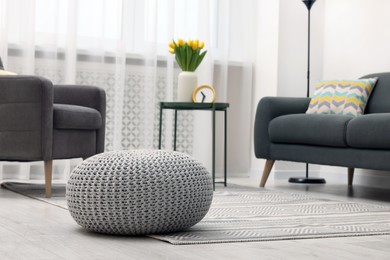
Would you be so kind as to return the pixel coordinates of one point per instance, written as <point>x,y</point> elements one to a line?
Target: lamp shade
<point>309,3</point>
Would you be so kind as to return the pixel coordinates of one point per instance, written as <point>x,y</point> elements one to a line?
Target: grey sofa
<point>39,121</point>
<point>284,132</point>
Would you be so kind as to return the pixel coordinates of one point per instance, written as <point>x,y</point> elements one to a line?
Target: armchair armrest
<point>269,108</point>
<point>26,118</point>
<point>87,96</point>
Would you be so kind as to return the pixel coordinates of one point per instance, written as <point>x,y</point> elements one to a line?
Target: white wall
<point>292,58</point>
<point>266,66</point>
<point>357,38</point>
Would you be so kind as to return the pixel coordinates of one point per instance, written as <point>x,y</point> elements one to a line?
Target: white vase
<point>186,84</point>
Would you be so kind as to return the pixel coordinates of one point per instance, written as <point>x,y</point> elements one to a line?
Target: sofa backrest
<point>379,101</point>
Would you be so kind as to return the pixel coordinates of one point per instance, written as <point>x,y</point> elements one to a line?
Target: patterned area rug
<point>241,214</point>
<point>250,214</point>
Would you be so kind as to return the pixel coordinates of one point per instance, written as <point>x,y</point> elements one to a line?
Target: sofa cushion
<point>324,130</point>
<point>341,97</point>
<point>76,117</point>
<point>369,131</point>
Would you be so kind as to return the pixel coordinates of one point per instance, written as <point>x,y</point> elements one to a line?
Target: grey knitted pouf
<point>139,192</point>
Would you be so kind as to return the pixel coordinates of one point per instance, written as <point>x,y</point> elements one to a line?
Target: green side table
<point>198,106</point>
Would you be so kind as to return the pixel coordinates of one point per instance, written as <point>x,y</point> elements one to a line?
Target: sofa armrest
<point>87,96</point>
<point>269,108</point>
<point>26,118</point>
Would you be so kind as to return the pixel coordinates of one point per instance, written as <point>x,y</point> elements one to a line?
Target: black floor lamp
<point>309,4</point>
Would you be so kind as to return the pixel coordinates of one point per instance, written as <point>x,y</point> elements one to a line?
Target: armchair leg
<point>48,177</point>
<point>267,169</point>
<point>350,176</point>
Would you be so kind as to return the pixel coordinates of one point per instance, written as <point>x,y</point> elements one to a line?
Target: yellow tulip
<point>172,45</point>
<point>171,50</point>
<point>201,45</point>
<point>180,41</point>
<point>195,44</point>
<point>189,43</point>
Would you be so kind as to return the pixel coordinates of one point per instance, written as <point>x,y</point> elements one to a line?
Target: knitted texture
<point>139,192</point>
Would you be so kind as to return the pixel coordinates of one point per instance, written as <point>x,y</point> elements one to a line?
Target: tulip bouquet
<point>187,54</point>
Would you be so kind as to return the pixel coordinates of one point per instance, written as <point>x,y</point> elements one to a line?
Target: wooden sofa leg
<point>350,175</point>
<point>48,177</point>
<point>267,169</point>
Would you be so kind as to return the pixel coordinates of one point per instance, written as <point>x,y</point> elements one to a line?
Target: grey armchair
<point>42,122</point>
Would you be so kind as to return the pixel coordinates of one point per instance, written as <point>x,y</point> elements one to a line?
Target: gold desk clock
<point>203,94</point>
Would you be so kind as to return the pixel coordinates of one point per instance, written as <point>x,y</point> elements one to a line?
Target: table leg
<point>225,147</point>
<point>174,133</point>
<point>213,169</point>
<point>160,129</point>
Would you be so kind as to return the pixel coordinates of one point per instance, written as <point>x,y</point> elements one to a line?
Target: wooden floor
<point>30,229</point>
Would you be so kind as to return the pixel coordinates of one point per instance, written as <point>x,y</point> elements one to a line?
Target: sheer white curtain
<point>121,46</point>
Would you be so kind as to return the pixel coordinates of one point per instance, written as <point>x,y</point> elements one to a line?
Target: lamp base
<point>303,180</point>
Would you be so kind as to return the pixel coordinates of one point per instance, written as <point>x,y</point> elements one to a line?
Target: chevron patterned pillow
<point>341,97</point>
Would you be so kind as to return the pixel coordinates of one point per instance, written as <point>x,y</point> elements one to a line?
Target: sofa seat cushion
<point>369,131</point>
<point>76,117</point>
<point>316,129</point>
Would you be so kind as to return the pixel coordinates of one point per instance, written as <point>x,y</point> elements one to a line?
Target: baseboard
<point>233,174</point>
<point>286,174</point>
<point>332,175</point>
<point>35,170</point>
<point>369,178</point>
<point>375,179</point>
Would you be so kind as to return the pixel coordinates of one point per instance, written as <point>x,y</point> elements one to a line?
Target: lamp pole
<point>309,4</point>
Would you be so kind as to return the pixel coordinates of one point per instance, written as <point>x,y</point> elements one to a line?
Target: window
<point>127,25</point>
